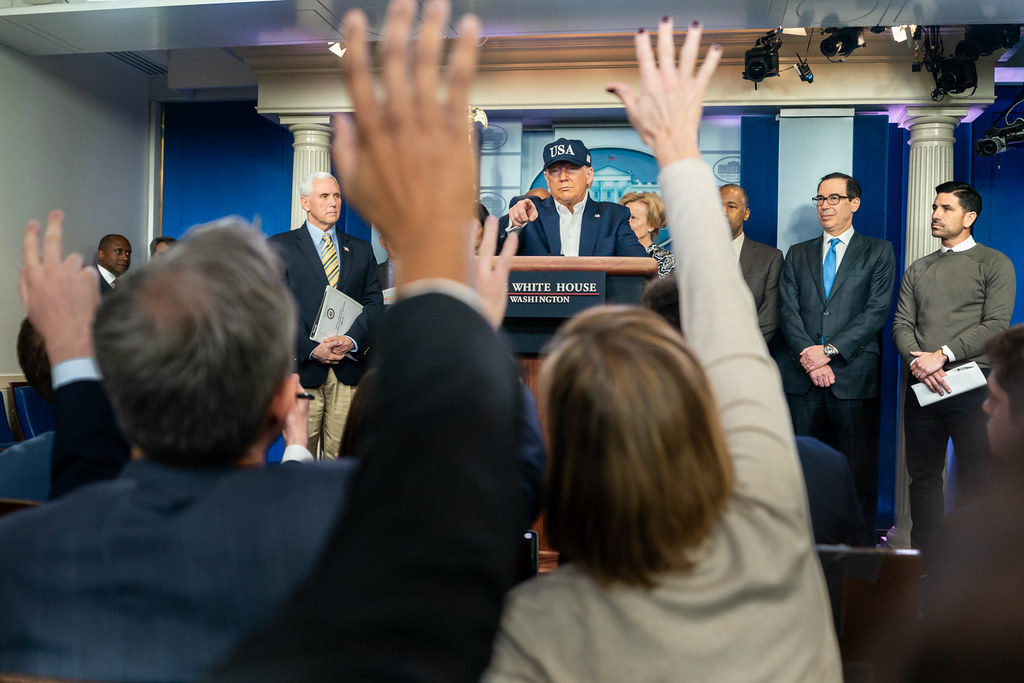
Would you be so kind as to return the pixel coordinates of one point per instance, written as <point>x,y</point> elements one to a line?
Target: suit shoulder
<point>761,246</point>
<point>876,242</point>
<point>282,237</point>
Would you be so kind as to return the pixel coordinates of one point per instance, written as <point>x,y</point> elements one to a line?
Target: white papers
<point>337,313</point>
<point>389,295</point>
<point>960,379</point>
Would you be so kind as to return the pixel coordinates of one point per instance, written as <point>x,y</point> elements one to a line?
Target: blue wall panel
<point>1000,179</point>
<point>759,164</point>
<point>872,144</point>
<point>224,159</point>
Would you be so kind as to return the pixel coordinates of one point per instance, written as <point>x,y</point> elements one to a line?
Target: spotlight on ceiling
<point>762,60</point>
<point>902,32</point>
<point>981,41</point>
<point>996,140</point>
<point>955,76</point>
<point>842,42</point>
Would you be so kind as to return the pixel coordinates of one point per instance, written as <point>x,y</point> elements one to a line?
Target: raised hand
<point>492,272</point>
<point>59,294</point>
<point>405,160</point>
<point>667,110</point>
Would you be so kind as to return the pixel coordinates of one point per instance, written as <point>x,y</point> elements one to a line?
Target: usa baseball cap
<point>573,151</point>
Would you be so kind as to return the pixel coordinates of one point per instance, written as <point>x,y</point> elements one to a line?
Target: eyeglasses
<point>832,199</point>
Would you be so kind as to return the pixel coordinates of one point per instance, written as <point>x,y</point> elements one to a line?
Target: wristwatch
<point>831,351</point>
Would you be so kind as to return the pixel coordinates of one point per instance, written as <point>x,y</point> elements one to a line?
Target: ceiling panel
<point>136,25</point>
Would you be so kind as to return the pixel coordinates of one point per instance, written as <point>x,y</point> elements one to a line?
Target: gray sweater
<point>754,606</point>
<point>958,299</point>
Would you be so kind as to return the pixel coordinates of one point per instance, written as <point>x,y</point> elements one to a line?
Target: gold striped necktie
<point>329,257</point>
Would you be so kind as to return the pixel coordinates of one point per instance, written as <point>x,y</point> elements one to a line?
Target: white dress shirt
<point>737,245</point>
<point>569,227</point>
<point>111,278</point>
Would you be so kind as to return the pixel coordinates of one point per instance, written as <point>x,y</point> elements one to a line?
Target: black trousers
<point>927,431</point>
<point>849,425</point>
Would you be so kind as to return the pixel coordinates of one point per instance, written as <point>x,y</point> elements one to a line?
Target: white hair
<point>306,186</point>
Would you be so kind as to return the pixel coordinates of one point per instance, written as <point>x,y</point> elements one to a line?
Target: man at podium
<point>569,222</point>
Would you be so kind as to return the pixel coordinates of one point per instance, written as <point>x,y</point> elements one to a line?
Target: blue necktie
<point>828,266</point>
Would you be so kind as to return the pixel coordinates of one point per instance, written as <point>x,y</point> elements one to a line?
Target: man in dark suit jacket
<point>760,263</point>
<point>569,222</point>
<point>835,293</point>
<point>315,255</point>
<point>157,573</point>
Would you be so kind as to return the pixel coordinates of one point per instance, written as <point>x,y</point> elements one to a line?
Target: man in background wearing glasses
<point>834,293</point>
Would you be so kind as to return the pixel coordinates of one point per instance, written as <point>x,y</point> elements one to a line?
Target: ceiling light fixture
<point>842,42</point>
<point>337,49</point>
<point>762,60</point>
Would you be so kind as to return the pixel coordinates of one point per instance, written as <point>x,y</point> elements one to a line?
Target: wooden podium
<point>544,291</point>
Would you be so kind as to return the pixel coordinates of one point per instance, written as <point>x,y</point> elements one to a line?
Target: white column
<point>312,146</point>
<point>931,163</point>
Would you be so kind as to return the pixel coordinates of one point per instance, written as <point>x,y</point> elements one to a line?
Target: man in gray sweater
<point>951,302</point>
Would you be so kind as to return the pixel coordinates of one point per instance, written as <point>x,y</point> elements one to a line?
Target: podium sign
<point>553,294</point>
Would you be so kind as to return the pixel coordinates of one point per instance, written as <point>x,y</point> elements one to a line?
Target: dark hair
<point>852,186</point>
<point>481,212</point>
<point>157,241</point>
<point>33,360</point>
<point>661,295</point>
<point>358,415</point>
<point>106,241</point>
<point>746,199</point>
<point>968,197</point>
<point>1005,352</point>
<point>639,471</point>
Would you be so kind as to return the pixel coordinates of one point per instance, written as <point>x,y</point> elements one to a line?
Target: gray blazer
<point>761,265</point>
<point>851,318</point>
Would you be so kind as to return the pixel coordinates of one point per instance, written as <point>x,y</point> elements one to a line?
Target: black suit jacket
<point>850,319</point>
<point>761,265</point>
<point>304,273</point>
<point>156,574</point>
<point>382,275</point>
<point>105,287</point>
<point>604,231</point>
<point>835,508</point>
<point>411,585</point>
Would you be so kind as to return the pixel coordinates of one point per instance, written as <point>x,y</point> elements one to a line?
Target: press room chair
<point>35,415</point>
<point>6,435</point>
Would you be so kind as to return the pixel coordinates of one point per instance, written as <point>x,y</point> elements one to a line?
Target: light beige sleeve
<point>720,323</point>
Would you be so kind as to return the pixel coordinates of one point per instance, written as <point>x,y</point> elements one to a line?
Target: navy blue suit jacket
<point>605,231</point>
<point>156,574</point>
<point>850,319</point>
<point>835,508</point>
<point>304,273</point>
<point>410,588</point>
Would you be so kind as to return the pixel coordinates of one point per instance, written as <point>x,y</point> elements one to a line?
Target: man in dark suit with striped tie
<point>316,255</point>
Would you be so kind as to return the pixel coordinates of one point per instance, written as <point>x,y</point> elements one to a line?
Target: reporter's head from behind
<point>639,470</point>
<point>197,353</point>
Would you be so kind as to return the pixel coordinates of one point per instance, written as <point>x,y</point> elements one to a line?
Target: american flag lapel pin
<point>597,215</point>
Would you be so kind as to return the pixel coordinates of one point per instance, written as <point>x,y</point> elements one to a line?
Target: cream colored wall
<point>75,136</point>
